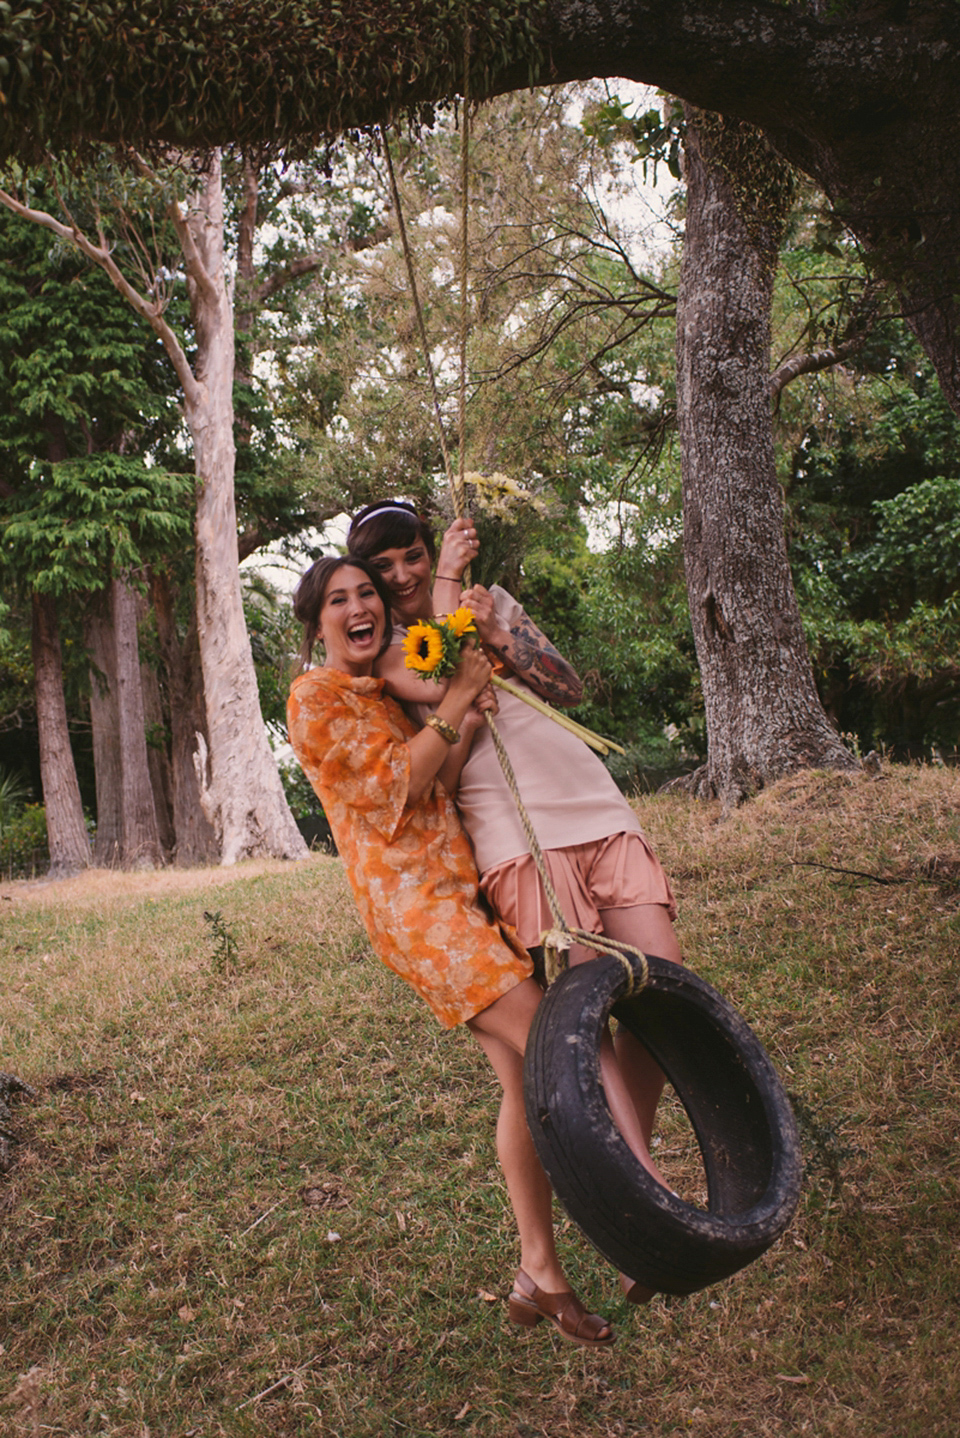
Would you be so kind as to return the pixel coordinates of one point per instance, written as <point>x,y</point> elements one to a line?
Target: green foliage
<point>90,518</point>
<point>224,946</point>
<point>875,548</point>
<point>826,1152</point>
<point>16,668</point>
<point>23,844</point>
<point>85,392</point>
<point>274,639</point>
<point>653,138</point>
<point>233,72</point>
<point>621,617</point>
<point>915,546</point>
<point>14,792</point>
<point>78,371</point>
<point>299,792</point>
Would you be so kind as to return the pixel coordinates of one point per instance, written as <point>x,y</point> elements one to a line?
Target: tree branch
<point>791,369</point>
<point>309,264</point>
<point>100,255</point>
<point>193,261</point>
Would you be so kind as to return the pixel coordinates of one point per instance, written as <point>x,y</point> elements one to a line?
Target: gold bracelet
<point>445,730</point>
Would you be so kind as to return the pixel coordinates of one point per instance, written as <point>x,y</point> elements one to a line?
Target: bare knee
<point>507,1020</point>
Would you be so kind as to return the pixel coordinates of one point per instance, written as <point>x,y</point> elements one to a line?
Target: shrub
<point>23,844</point>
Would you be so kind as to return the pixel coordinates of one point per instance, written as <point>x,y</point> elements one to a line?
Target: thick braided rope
<point>458,487</point>
<point>459,490</point>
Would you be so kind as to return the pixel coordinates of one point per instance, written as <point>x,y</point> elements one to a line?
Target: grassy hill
<point>257,1192</point>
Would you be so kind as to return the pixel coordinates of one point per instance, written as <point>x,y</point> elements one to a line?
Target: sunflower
<point>423,648</point>
<point>461,622</point>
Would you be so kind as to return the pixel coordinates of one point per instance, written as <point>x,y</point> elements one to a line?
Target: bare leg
<point>530,1195</point>
<point>620,1100</point>
<point>647,927</point>
<point>501,1030</point>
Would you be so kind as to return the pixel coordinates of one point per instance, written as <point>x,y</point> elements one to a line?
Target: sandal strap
<point>574,1318</point>
<point>565,1309</point>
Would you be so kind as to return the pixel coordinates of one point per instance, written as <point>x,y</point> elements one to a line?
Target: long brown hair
<point>310,593</point>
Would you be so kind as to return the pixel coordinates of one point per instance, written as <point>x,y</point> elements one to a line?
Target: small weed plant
<point>224,947</point>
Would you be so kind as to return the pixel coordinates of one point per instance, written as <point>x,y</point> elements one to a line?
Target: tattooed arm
<point>526,649</point>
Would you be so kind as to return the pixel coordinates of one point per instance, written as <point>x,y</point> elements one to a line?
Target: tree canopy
<point>861,95</point>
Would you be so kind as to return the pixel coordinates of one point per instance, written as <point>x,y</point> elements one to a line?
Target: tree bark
<point>127,834</point>
<point>764,717</point>
<point>196,841</point>
<point>158,757</point>
<point>240,787</point>
<point>141,838</point>
<point>66,830</point>
<point>105,727</point>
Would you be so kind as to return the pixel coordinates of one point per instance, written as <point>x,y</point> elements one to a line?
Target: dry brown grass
<point>205,1125</point>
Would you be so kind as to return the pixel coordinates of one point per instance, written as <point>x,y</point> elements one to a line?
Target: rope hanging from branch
<point>558,940</point>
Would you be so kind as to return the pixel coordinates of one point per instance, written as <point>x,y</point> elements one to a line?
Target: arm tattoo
<point>542,666</point>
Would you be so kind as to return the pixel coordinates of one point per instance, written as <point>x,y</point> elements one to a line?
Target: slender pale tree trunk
<point>66,830</point>
<point>764,717</point>
<point>105,727</point>
<point>241,791</point>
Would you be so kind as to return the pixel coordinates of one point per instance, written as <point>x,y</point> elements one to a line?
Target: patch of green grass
<point>258,1194</point>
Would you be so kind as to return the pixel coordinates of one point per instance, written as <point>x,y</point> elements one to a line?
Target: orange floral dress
<point>410,867</point>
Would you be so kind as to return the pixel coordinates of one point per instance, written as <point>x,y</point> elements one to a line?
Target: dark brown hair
<point>389,524</point>
<point>310,593</point>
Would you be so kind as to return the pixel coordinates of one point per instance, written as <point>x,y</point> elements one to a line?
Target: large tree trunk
<point>241,791</point>
<point>764,717</point>
<point>196,841</point>
<point>141,839</point>
<point>105,727</point>
<point>66,830</point>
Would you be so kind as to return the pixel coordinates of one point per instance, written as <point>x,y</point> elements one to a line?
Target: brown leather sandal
<point>529,1305</point>
<point>634,1291</point>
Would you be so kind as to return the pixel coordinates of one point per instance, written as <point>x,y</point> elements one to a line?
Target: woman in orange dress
<point>412,873</point>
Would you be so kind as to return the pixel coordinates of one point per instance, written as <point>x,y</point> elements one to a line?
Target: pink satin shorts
<point>617,872</point>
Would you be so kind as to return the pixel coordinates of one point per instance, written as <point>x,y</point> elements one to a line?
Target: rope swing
<point>738,1109</point>
<point>557,941</point>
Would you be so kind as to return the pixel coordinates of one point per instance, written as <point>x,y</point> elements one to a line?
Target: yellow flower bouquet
<point>432,647</point>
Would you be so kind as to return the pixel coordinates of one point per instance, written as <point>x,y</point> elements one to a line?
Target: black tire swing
<point>738,1109</point>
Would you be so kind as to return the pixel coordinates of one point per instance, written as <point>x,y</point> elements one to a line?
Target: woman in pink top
<point>605,874</point>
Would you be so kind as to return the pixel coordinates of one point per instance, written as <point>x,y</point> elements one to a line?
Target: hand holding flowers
<point>433,647</point>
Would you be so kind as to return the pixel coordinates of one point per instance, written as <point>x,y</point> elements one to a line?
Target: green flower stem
<point>602,746</point>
